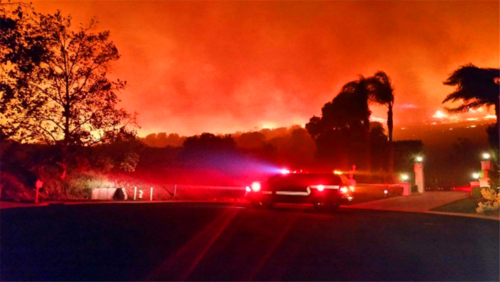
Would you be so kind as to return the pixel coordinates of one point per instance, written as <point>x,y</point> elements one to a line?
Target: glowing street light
<point>475,175</point>
<point>419,159</point>
<point>404,177</point>
<point>486,156</point>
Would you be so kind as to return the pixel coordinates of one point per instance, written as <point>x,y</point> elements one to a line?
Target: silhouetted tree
<point>379,147</point>
<point>175,140</point>
<point>359,90</point>
<point>405,152</point>
<point>209,150</point>
<point>493,137</point>
<point>382,92</point>
<point>464,158</point>
<point>67,98</point>
<point>340,134</point>
<point>150,140</point>
<point>121,151</point>
<point>209,142</point>
<point>476,87</point>
<point>297,150</point>
<point>162,139</point>
<point>251,140</point>
<point>22,50</point>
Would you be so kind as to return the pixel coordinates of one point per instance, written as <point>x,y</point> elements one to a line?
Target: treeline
<point>291,147</point>
<point>163,139</point>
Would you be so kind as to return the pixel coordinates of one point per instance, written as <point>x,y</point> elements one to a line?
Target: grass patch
<point>467,205</point>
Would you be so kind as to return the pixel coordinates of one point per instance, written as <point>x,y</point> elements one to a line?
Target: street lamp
<point>404,177</point>
<point>419,159</point>
<point>486,156</point>
<point>475,175</point>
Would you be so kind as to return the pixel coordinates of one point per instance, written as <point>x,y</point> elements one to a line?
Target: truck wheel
<point>270,204</point>
<point>333,207</point>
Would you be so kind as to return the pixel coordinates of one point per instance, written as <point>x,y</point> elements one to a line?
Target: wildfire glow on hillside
<point>479,115</point>
<point>199,66</point>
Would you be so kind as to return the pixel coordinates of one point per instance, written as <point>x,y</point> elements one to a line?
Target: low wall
<point>363,188</point>
<point>108,194</point>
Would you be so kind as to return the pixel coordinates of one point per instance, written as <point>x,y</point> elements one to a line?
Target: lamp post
<point>418,168</point>
<point>404,177</point>
<point>38,186</point>
<point>406,186</point>
<point>475,175</point>
<point>485,167</point>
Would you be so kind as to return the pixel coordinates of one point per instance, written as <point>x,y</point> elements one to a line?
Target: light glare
<point>284,171</point>
<point>256,186</point>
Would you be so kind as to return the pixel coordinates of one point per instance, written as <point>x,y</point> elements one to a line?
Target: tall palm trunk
<point>368,148</point>
<point>497,108</point>
<point>390,126</point>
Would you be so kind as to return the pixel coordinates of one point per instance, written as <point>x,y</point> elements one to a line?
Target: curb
<point>496,218</point>
<point>11,205</point>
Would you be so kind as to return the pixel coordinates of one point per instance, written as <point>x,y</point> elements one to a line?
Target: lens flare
<point>256,186</point>
<point>284,171</point>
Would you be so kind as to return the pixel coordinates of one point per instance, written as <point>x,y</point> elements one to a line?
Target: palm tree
<point>381,91</point>
<point>476,87</point>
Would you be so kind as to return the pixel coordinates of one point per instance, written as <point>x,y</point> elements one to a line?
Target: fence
<point>201,192</point>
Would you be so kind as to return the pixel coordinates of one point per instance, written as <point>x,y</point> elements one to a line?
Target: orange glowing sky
<point>229,66</point>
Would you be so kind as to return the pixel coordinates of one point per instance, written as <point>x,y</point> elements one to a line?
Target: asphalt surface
<point>183,241</point>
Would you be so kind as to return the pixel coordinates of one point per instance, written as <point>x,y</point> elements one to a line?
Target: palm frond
<point>466,107</point>
<point>472,82</point>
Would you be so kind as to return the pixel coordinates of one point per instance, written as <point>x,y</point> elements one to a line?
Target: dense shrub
<point>12,189</point>
<point>490,203</point>
<point>79,185</point>
<point>129,162</point>
<point>52,182</point>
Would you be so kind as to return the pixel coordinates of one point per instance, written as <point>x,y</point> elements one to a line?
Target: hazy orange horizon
<point>223,67</point>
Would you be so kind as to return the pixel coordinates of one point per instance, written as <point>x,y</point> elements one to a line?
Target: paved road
<point>182,241</point>
<point>416,202</point>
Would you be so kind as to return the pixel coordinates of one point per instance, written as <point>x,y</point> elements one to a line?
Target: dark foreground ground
<point>180,241</point>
